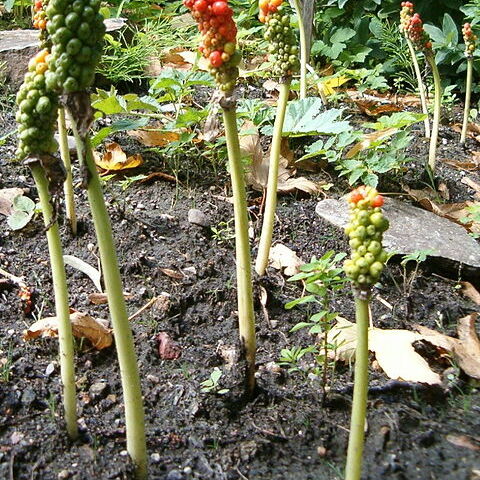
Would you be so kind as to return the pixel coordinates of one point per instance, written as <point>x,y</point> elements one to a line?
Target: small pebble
<point>123,453</point>
<point>197,217</point>
<point>155,457</point>
<point>63,474</point>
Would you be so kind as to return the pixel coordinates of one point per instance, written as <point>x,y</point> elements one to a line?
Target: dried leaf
<point>102,298</point>
<point>327,86</point>
<point>473,130</point>
<point>83,326</point>
<point>116,159</point>
<point>153,137</point>
<point>373,109</point>
<point>6,199</point>
<point>172,273</point>
<point>282,258</point>
<point>257,174</point>
<point>465,441</point>
<point>91,272</point>
<point>471,292</point>
<point>369,139</point>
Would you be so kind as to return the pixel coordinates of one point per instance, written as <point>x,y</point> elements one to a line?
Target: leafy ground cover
<point>161,152</point>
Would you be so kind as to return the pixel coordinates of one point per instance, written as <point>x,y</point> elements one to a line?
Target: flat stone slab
<point>413,229</point>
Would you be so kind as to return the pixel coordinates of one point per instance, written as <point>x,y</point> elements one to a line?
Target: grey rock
<point>98,390</point>
<point>413,229</point>
<point>28,396</point>
<point>72,146</point>
<point>197,217</point>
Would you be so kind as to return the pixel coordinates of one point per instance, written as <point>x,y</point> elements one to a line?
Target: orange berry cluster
<point>365,229</point>
<point>412,27</point>
<point>40,17</point>
<point>405,15</point>
<point>280,36</point>
<point>219,33</point>
<point>470,40</point>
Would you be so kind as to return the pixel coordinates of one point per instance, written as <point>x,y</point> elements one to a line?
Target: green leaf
<point>342,35</point>
<point>300,325</point>
<point>9,5</point>
<point>305,117</point>
<point>450,29</point>
<point>18,219</point>
<point>435,34</point>
<point>23,204</point>
<point>119,126</point>
<point>300,301</point>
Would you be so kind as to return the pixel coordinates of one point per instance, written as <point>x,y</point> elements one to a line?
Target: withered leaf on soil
<point>471,292</point>
<point>390,346</point>
<point>465,441</point>
<point>172,273</point>
<point>257,174</point>
<point>92,273</point>
<point>83,326</point>
<point>115,159</point>
<point>6,199</point>
<point>473,130</point>
<point>153,137</point>
<point>455,212</point>
<point>282,258</point>
<point>98,298</point>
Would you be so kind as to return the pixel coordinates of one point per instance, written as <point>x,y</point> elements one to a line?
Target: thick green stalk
<point>127,359</point>
<point>246,315</point>
<point>360,390</point>
<point>271,200</point>
<point>65,337</point>
<point>421,86</point>
<point>437,105</point>
<point>303,49</point>
<point>68,184</point>
<point>468,92</point>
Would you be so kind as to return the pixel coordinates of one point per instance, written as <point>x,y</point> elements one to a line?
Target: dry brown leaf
<point>6,199</point>
<point>473,130</point>
<point>391,345</point>
<point>155,175</point>
<point>257,174</point>
<point>465,441</point>
<point>83,326</point>
<point>172,273</point>
<point>472,164</point>
<point>282,258</point>
<point>115,158</point>
<point>473,185</point>
<point>153,137</point>
<point>368,139</point>
<point>373,109</point>
<point>98,298</point>
<point>471,292</point>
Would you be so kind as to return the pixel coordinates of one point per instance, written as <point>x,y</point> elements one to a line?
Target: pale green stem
<point>421,86</point>
<point>62,309</point>
<point>468,92</point>
<point>127,359</point>
<point>271,200</point>
<point>246,315</point>
<point>68,184</point>
<point>303,50</point>
<point>360,391</point>
<point>437,106</point>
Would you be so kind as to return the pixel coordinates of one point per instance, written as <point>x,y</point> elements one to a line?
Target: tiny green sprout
<point>23,209</point>
<point>212,384</point>
<point>417,256</point>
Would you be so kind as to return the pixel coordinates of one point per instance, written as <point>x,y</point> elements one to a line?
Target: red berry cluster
<point>417,34</point>
<point>371,197</point>
<point>405,15</point>
<point>470,40</point>
<point>39,19</point>
<point>219,34</point>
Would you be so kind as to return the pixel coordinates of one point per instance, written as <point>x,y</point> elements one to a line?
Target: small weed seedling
<point>212,384</point>
<point>364,267</point>
<point>321,278</point>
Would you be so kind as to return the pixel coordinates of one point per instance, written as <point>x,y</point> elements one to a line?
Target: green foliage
<point>417,256</point>
<point>212,384</point>
<point>473,215</point>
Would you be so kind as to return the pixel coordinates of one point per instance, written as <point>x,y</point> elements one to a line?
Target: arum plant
<point>36,116</point>
<point>421,42</point>
<point>405,16</point>
<point>364,267</point>
<point>218,46</point>
<point>72,69</point>
<point>470,44</point>
<point>40,23</point>
<point>282,44</point>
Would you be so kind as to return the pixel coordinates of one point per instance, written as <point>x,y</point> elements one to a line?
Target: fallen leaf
<point>327,86</point>
<point>116,159</point>
<point>83,326</point>
<point>168,349</point>
<point>282,258</point>
<point>91,272</point>
<point>6,199</point>
<point>172,273</point>
<point>471,292</point>
<point>153,137</point>
<point>155,175</point>
<point>391,345</point>
<point>472,184</point>
<point>102,298</point>
<point>465,441</point>
<point>369,139</point>
<point>473,130</point>
<point>257,173</point>
<point>472,164</point>
<point>374,109</point>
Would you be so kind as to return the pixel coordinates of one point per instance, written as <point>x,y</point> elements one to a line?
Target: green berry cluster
<point>76,30</point>
<point>37,111</point>
<point>365,229</point>
<point>282,42</point>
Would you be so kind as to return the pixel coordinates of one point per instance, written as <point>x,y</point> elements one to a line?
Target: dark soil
<point>284,432</point>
